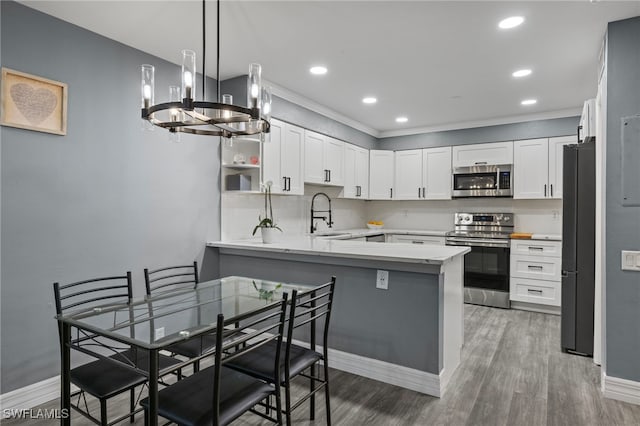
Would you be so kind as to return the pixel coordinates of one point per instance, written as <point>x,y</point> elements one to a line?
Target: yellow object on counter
<point>376,222</point>
<point>521,235</point>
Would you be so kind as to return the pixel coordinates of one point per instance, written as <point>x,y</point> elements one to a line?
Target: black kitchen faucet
<point>313,212</point>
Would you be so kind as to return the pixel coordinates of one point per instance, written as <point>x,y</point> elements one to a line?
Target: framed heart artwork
<point>33,103</point>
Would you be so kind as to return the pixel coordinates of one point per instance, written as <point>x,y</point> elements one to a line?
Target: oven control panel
<point>484,219</point>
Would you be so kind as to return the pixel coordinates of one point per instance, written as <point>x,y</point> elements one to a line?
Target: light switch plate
<point>630,260</point>
<point>382,280</point>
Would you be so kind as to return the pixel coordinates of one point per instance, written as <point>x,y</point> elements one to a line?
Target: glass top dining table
<point>157,322</point>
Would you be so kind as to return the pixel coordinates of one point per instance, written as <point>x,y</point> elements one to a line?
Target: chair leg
<point>327,397</point>
<point>132,404</point>
<point>103,412</point>
<point>287,402</point>
<point>278,406</point>
<point>312,400</point>
<point>180,374</point>
<point>196,366</point>
<point>146,417</point>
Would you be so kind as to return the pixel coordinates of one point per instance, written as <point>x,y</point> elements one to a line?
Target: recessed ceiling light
<point>511,22</point>
<point>521,73</point>
<point>369,100</point>
<point>318,70</point>
<point>401,119</point>
<point>529,102</point>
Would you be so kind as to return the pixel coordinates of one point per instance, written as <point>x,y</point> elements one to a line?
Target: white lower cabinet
<point>535,291</point>
<point>536,272</point>
<point>416,239</point>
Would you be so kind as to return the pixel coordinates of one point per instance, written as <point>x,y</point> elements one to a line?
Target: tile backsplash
<point>240,213</point>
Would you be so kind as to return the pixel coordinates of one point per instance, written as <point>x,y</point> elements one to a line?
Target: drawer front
<point>418,239</point>
<point>535,291</point>
<point>536,267</point>
<point>536,248</point>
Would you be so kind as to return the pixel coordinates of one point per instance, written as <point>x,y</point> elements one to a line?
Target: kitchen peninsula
<point>406,330</point>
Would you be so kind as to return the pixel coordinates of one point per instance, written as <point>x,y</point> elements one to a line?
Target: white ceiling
<point>442,64</point>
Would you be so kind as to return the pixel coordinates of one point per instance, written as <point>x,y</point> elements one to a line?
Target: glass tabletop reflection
<point>175,315</point>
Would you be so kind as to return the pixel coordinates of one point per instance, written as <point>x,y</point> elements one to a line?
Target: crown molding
<point>307,103</point>
<point>570,112</point>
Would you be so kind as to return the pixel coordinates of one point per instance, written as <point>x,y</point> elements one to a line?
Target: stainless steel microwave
<point>483,181</point>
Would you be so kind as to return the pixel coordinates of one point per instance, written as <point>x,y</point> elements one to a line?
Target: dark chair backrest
<point>171,277</point>
<point>307,308</point>
<point>87,294</point>
<point>246,333</point>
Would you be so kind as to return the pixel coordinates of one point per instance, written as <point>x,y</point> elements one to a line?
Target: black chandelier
<point>222,118</point>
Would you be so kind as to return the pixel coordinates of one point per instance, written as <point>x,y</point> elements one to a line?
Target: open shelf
<point>241,166</point>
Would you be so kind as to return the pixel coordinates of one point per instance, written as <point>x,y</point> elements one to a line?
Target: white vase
<point>268,235</point>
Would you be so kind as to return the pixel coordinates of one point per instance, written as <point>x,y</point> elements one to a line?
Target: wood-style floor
<point>512,373</point>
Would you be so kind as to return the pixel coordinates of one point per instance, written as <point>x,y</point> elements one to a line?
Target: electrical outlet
<point>630,260</point>
<point>556,215</point>
<point>159,333</point>
<point>382,280</point>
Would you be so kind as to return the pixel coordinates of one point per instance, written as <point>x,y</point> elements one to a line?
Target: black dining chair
<point>172,278</point>
<point>305,308</point>
<point>218,395</point>
<point>104,378</point>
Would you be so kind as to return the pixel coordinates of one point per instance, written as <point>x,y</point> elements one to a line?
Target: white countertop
<point>550,237</point>
<point>364,232</point>
<point>409,253</point>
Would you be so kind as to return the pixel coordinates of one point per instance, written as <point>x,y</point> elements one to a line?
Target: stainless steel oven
<point>483,181</point>
<point>486,267</point>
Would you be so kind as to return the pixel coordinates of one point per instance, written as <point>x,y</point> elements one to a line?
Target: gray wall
<point>106,198</point>
<point>623,223</point>
<point>504,132</point>
<point>399,325</point>
<point>300,116</point>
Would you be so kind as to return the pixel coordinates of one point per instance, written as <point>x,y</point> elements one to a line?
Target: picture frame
<point>33,103</point>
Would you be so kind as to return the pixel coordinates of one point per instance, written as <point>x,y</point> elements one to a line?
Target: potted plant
<point>267,225</point>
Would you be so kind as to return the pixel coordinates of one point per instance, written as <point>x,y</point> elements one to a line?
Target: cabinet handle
<point>288,184</point>
<point>417,242</point>
<point>539,268</point>
<point>419,191</point>
<point>545,189</point>
<point>358,193</point>
<point>326,175</point>
<point>479,163</point>
<point>329,175</point>
<point>423,192</point>
<point>531,290</point>
<point>391,195</point>
<point>551,188</point>
<point>532,248</point>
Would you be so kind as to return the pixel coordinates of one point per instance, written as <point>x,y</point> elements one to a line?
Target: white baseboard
<point>621,389</point>
<point>31,396</point>
<point>534,307</point>
<point>409,378</point>
<point>405,377</point>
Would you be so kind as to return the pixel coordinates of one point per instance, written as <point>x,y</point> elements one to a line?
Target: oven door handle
<point>476,242</point>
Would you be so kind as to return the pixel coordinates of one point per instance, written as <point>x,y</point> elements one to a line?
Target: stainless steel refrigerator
<point>578,247</point>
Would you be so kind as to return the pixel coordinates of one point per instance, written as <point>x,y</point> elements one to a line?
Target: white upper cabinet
<point>556,149</point>
<point>324,159</point>
<point>314,170</point>
<point>423,174</point>
<point>408,175</point>
<point>436,173</point>
<point>538,168</point>
<point>356,172</point>
<point>381,175</point>
<point>483,154</point>
<point>334,161</point>
<point>530,163</point>
<point>283,158</point>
